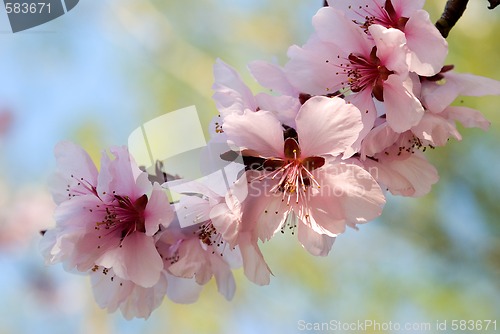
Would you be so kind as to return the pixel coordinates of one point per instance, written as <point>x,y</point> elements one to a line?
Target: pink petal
<point>142,301</point>
<point>390,48</point>
<point>473,85</point>
<point>191,262</point>
<point>428,48</point>
<point>285,107</point>
<point>470,118</point>
<point>406,8</point>
<point>259,131</point>
<point>224,278</point>
<point>327,126</point>
<point>357,9</point>
<point>158,211</point>
<point>255,267</point>
<point>72,160</point>
<point>403,109</point>
<point>435,129</point>
<point>378,140</point>
<point>359,194</point>
<point>322,212</point>
<point>396,183</point>
<point>263,211</point>
<point>414,174</point>
<point>109,293</point>
<point>225,222</point>
<point>348,195</point>
<point>364,102</point>
<point>315,243</point>
<point>333,26</point>
<point>137,260</point>
<point>271,76</point>
<point>122,176</point>
<point>231,93</point>
<point>313,69</point>
<point>183,290</point>
<point>437,97</point>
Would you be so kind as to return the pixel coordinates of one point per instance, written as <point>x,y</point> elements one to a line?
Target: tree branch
<point>493,3</point>
<point>452,13</point>
<point>325,3</point>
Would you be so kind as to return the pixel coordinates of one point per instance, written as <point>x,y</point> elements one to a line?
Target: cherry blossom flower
<point>134,301</point>
<point>218,218</point>
<point>300,175</point>
<point>108,218</point>
<point>341,58</point>
<point>395,156</point>
<point>427,48</point>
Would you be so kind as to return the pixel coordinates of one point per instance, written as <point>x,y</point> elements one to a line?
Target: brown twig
<point>493,3</point>
<point>325,3</point>
<point>452,13</point>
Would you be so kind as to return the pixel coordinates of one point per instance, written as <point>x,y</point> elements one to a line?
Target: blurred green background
<point>98,72</point>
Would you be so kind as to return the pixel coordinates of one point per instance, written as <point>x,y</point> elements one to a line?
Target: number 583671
<point>27,8</point>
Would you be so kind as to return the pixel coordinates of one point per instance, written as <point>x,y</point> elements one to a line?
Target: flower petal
<point>470,118</point>
<point>378,139</point>
<point>435,129</point>
<point>158,211</point>
<point>122,176</point>
<point>255,267</point>
<point>313,69</point>
<point>231,95</point>
<point>327,126</point>
<point>315,243</point>
<point>390,48</point>
<point>403,109</point>
<point>333,26</point>
<point>259,131</point>
<point>428,48</point>
<point>183,290</point>
<point>226,285</point>
<point>271,76</point>
<point>76,172</point>
<point>137,260</point>
<point>142,301</point>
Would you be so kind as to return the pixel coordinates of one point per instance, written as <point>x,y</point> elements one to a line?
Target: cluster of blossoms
<point>348,119</point>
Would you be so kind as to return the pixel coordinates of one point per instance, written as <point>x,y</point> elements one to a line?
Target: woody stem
<point>453,10</point>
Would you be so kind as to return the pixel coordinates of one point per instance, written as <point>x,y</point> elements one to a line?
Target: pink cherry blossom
<point>427,48</point>
<point>198,252</point>
<point>108,218</point>
<point>341,58</point>
<point>300,174</point>
<point>220,219</point>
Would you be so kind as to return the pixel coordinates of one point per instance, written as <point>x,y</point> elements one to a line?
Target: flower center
<point>385,16</point>
<point>125,216</point>
<point>209,235</point>
<point>294,173</point>
<point>367,74</point>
